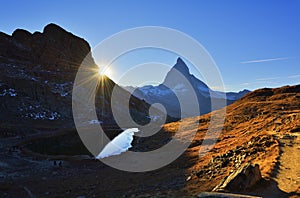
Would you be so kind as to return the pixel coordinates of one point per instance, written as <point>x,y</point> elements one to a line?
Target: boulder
<point>243,178</point>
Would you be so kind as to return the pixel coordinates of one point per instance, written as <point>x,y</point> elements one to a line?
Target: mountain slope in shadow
<point>37,71</point>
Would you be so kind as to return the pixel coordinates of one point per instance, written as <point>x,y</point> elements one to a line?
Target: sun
<point>104,72</point>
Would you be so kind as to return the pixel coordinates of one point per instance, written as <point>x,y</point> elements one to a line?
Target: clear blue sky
<point>254,43</point>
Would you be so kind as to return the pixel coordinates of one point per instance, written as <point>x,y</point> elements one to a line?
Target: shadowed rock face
<point>37,71</point>
<point>53,48</point>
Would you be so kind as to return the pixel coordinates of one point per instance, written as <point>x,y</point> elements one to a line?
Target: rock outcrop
<point>242,179</point>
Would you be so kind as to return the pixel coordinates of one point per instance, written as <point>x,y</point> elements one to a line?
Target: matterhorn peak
<point>181,67</point>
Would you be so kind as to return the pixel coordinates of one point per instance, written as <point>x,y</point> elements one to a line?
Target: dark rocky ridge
<point>53,48</point>
<point>37,71</point>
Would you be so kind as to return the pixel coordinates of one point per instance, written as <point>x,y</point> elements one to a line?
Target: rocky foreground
<point>262,128</point>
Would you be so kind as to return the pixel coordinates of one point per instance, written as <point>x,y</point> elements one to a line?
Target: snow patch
<point>179,88</point>
<point>9,92</point>
<point>203,88</point>
<point>154,91</point>
<point>34,79</point>
<point>95,122</point>
<point>37,112</point>
<point>155,118</point>
<point>64,94</point>
<point>62,89</point>
<point>53,116</point>
<point>119,144</point>
<point>43,115</point>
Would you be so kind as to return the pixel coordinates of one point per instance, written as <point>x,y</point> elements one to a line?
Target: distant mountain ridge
<point>179,80</point>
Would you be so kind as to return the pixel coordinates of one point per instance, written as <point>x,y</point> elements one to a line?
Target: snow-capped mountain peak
<point>179,80</point>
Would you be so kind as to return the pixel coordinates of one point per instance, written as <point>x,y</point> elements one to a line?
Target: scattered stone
<point>188,178</point>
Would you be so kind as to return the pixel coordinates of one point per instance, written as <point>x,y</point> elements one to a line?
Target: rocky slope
<point>255,131</point>
<point>180,82</point>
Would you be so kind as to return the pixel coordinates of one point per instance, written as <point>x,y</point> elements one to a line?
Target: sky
<point>254,43</point>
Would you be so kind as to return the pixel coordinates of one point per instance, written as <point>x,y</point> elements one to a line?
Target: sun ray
<point>105,72</point>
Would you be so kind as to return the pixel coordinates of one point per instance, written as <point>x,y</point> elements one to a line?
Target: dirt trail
<point>288,177</point>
